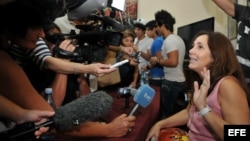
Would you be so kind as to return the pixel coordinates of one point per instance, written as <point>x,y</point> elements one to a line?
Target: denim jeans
<point>169,93</point>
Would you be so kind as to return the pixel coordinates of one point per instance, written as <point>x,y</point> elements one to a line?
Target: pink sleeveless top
<point>198,128</point>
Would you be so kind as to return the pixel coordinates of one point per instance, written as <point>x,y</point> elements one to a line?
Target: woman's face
<point>200,54</point>
<point>128,41</point>
<point>29,41</point>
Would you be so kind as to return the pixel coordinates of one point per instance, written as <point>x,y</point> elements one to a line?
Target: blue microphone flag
<point>144,95</point>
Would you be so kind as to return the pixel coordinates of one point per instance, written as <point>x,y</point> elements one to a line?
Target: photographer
<point>15,84</point>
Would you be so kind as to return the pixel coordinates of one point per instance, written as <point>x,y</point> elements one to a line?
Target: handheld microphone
<point>132,91</point>
<point>142,97</point>
<point>83,109</point>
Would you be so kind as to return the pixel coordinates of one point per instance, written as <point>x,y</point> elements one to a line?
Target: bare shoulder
<point>229,84</point>
<point>230,89</point>
<point>233,101</point>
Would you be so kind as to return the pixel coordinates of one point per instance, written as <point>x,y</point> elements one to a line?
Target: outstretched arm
<point>19,115</point>
<point>15,113</point>
<point>118,127</point>
<point>226,5</point>
<point>15,86</point>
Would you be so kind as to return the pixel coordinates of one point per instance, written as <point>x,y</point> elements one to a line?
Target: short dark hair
<point>151,24</point>
<point>163,17</point>
<point>141,26</point>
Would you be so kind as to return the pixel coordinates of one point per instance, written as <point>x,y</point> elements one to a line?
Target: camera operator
<point>14,83</point>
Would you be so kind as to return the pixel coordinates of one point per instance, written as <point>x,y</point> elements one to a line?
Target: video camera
<point>92,41</point>
<point>97,31</point>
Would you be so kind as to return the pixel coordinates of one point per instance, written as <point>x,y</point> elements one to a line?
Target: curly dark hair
<point>163,17</point>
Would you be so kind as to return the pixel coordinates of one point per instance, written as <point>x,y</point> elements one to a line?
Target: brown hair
<point>128,33</point>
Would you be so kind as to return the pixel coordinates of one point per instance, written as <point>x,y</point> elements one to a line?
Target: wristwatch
<point>204,111</point>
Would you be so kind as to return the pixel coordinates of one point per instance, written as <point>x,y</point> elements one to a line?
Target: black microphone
<point>127,91</point>
<point>142,97</point>
<point>83,109</point>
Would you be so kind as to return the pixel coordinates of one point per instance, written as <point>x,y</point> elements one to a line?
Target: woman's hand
<point>200,93</point>
<point>154,132</point>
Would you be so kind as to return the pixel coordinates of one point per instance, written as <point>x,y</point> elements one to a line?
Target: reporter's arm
<point>10,110</point>
<point>126,50</point>
<point>116,128</point>
<point>61,66</point>
<point>15,113</point>
<point>59,86</point>
<point>15,86</point>
<point>114,48</point>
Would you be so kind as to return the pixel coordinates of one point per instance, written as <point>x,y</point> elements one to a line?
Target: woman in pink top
<point>220,95</point>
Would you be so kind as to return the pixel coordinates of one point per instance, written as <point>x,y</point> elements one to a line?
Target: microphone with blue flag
<point>143,97</point>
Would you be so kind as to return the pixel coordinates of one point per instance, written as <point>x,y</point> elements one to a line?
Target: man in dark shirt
<point>242,15</point>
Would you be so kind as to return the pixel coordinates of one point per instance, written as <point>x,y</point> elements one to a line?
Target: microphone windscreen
<point>83,109</point>
<point>144,95</point>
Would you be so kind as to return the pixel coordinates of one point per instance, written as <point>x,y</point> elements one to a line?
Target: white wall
<point>186,11</point>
